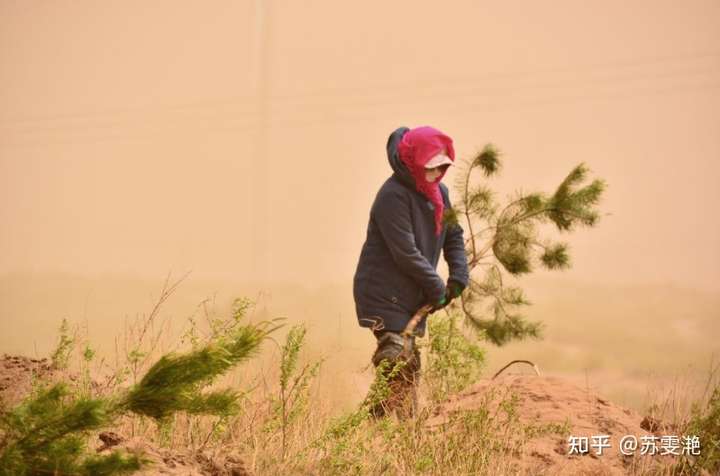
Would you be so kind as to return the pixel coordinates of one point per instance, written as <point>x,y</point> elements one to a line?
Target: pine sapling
<point>505,239</point>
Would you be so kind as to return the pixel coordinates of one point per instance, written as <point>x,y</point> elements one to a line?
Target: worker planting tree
<point>412,220</point>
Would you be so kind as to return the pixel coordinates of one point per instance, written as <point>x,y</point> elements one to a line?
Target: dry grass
<point>629,364</point>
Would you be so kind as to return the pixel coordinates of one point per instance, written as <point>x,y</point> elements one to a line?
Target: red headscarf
<point>415,149</point>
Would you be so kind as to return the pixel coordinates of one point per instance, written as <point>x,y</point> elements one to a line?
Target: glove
<point>453,290</point>
<point>440,304</point>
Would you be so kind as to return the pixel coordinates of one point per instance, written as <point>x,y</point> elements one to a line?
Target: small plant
<point>292,401</point>
<point>88,355</point>
<point>60,357</point>
<point>705,424</point>
<point>46,433</point>
<point>453,360</point>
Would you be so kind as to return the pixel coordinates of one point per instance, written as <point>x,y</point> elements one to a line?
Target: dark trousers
<point>401,384</point>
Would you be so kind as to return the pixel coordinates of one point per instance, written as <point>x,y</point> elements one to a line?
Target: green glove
<point>453,290</point>
<point>440,304</point>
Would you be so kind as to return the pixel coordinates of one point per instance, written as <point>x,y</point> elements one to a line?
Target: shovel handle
<point>412,324</point>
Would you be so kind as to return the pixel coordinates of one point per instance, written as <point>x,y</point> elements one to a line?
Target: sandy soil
<point>550,400</point>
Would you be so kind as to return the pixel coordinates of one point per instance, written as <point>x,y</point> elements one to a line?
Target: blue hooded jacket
<point>396,273</point>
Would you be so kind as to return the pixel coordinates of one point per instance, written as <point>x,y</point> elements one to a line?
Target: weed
<point>60,357</point>
<point>453,360</point>
<point>705,424</point>
<point>292,401</point>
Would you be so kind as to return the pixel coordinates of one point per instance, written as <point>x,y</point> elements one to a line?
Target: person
<point>397,270</point>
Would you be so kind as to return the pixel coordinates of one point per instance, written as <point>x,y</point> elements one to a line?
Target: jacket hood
<point>408,151</point>
<point>400,171</point>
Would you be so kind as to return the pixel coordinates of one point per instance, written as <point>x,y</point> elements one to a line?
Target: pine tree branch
<point>467,209</point>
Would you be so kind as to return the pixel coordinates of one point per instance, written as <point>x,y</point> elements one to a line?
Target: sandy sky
<point>245,139</point>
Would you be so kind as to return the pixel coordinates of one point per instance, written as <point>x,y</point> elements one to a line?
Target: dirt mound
<point>555,407</point>
<point>174,463</point>
<point>17,374</point>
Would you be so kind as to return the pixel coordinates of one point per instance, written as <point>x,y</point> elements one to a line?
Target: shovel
<point>410,328</point>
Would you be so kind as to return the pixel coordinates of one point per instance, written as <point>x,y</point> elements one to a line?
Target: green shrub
<point>705,424</point>
<point>47,432</point>
<point>292,400</point>
<point>453,360</point>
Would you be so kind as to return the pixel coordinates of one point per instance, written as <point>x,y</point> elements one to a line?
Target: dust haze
<point>243,141</point>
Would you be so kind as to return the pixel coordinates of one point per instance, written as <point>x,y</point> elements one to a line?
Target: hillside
<point>557,409</point>
<point>525,420</point>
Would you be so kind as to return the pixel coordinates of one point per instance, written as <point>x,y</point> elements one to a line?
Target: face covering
<point>415,149</point>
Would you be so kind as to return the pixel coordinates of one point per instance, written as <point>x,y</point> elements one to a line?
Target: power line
<point>497,91</point>
<point>249,101</point>
<point>496,75</point>
<point>497,101</point>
